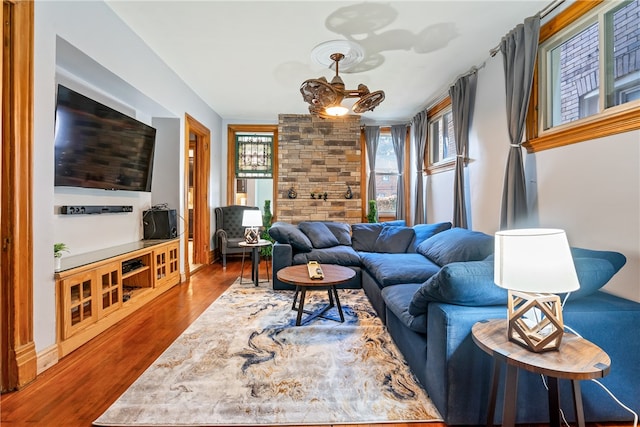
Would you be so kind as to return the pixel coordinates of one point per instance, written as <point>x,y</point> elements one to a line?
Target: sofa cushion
<point>398,298</point>
<point>341,255</point>
<point>283,232</point>
<point>424,231</point>
<point>461,283</point>
<point>594,269</point>
<point>341,230</point>
<point>319,234</point>
<point>364,236</point>
<point>615,258</point>
<point>393,240</point>
<point>391,269</point>
<point>456,245</point>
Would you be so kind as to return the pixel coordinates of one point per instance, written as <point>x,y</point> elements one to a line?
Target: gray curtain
<point>419,129</point>
<point>371,136</point>
<point>519,49</point>
<point>462,95</point>
<point>398,137</point>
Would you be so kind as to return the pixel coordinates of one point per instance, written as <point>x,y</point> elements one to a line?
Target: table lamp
<point>252,219</point>
<point>533,265</point>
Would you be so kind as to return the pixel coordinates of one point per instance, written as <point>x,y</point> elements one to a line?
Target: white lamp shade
<point>534,260</point>
<point>251,218</point>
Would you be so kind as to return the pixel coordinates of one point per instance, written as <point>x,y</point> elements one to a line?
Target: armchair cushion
<point>229,219</point>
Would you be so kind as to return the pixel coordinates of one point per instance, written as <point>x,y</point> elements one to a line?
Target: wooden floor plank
<point>79,388</point>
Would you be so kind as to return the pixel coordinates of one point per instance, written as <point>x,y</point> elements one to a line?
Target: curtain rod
<point>544,12</point>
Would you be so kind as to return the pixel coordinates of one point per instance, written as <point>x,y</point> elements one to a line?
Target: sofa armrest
<point>282,256</point>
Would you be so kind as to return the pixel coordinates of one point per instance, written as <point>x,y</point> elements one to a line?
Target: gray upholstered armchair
<point>229,229</point>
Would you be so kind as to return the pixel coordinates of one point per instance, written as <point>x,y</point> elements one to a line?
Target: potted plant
<point>58,249</point>
<point>372,216</point>
<point>267,216</point>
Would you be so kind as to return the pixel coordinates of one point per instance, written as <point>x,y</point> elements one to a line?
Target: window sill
<point>623,121</point>
<point>443,166</point>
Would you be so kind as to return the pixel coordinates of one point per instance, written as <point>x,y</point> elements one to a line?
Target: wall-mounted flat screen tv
<point>99,147</point>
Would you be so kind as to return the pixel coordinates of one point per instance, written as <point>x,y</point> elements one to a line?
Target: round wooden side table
<point>298,275</point>
<point>577,359</point>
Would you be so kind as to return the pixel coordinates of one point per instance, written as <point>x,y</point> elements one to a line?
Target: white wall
<point>86,44</point>
<point>590,189</point>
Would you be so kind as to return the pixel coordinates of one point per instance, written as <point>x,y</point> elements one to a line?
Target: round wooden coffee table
<point>298,275</point>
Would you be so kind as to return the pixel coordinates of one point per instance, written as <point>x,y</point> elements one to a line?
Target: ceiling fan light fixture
<point>325,99</point>
<point>336,110</point>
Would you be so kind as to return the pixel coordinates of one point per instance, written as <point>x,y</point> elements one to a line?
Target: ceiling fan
<point>325,99</point>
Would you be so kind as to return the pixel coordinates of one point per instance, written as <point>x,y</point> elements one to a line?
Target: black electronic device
<point>88,210</point>
<point>160,224</point>
<point>132,264</point>
<point>99,147</point>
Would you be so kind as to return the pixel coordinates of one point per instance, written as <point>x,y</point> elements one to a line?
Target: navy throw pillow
<point>457,245</point>
<point>286,233</point>
<point>461,283</point>
<point>393,240</point>
<point>424,231</point>
<point>364,236</point>
<point>342,231</point>
<point>319,234</point>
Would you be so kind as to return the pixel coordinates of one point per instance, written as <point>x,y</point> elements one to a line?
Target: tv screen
<point>99,147</point>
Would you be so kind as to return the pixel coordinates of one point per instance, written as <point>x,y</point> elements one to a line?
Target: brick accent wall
<point>319,155</point>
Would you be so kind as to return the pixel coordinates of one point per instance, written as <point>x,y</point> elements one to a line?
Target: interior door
<point>198,137</point>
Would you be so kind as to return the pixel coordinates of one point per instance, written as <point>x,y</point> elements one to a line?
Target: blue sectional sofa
<point>430,283</point>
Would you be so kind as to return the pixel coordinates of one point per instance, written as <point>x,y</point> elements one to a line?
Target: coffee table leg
<point>295,298</point>
<point>335,293</point>
<point>303,294</point>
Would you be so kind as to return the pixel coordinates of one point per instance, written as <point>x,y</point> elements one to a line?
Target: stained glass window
<point>254,156</point>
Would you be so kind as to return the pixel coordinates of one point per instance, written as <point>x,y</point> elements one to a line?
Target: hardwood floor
<point>85,383</point>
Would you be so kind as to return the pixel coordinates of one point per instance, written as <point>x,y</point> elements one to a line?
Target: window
<point>254,156</point>
<point>440,154</point>
<point>588,78</point>
<point>386,175</point>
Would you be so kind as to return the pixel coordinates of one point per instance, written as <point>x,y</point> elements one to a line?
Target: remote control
<point>315,272</point>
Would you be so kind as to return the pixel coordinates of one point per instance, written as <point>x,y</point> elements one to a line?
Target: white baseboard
<point>47,358</point>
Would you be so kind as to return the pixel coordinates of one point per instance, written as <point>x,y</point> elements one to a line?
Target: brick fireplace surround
<point>319,155</point>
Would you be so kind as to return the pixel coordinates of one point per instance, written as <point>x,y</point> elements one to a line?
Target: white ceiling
<point>247,59</point>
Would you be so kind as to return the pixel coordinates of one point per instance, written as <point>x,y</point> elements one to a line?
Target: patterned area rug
<point>243,362</point>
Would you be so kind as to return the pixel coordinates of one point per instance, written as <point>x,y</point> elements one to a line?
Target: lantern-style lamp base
<point>541,332</point>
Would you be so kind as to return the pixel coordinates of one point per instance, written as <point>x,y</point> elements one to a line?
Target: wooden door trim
<point>19,359</point>
<point>201,215</point>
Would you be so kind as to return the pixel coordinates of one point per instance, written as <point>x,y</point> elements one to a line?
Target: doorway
<point>18,364</point>
<point>196,211</point>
